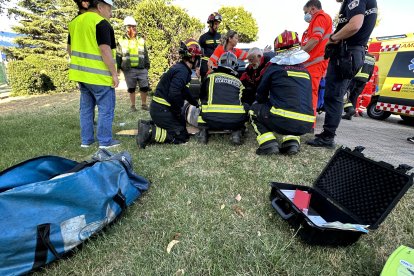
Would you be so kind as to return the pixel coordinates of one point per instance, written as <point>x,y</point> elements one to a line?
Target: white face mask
<point>308,17</point>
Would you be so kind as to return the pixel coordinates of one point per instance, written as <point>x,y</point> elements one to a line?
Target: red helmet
<point>286,40</point>
<point>215,16</point>
<point>190,48</point>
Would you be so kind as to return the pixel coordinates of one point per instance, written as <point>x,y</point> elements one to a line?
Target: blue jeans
<point>335,90</point>
<point>104,97</point>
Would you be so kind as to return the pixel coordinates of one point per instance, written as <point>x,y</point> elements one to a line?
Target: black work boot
<point>236,137</point>
<point>268,149</point>
<point>144,133</point>
<point>322,140</point>
<point>202,136</point>
<point>291,147</point>
<point>349,113</point>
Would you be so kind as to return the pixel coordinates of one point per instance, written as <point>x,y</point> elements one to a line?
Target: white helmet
<point>109,2</point>
<point>129,21</point>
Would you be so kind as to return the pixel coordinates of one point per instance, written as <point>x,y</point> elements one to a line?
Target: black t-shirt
<point>104,34</point>
<point>351,8</point>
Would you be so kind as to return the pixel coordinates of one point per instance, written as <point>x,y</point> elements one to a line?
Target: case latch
<point>404,168</point>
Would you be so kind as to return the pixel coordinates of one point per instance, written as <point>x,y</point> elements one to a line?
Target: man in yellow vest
<point>92,64</point>
<point>135,62</point>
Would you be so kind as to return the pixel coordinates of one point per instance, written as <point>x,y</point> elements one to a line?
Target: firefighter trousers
<point>355,89</point>
<point>263,125</point>
<point>168,127</point>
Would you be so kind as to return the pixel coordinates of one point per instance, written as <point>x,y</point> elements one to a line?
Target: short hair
<point>255,52</point>
<point>314,3</point>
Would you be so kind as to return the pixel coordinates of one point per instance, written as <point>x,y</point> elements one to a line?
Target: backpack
<point>50,205</point>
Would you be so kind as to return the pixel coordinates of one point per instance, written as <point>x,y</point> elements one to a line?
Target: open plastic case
<point>351,189</point>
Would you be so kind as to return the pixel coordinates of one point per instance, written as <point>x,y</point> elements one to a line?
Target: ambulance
<point>395,93</point>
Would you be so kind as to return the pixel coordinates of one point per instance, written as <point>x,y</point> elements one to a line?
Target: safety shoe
<point>133,108</point>
<point>144,107</point>
<point>410,139</point>
<point>322,141</point>
<point>144,133</point>
<point>349,113</point>
<point>268,149</point>
<point>236,137</point>
<point>290,147</point>
<point>114,143</point>
<point>202,136</point>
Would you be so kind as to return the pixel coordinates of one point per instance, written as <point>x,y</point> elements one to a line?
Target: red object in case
<point>301,199</point>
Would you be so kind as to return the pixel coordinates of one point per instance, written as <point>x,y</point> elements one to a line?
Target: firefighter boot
<point>144,133</point>
<point>349,113</point>
<point>236,137</point>
<point>291,147</point>
<point>202,136</point>
<point>268,149</point>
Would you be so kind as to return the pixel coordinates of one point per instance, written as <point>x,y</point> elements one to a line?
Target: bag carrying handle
<point>279,210</point>
<point>43,245</point>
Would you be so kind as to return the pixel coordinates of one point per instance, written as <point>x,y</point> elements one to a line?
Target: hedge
<point>38,74</point>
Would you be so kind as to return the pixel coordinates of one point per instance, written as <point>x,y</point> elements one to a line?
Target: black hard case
<point>350,189</point>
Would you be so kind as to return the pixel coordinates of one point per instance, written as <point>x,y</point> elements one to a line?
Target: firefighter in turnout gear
<point>220,96</point>
<point>284,99</point>
<point>168,123</point>
<point>357,84</point>
<point>209,41</point>
<point>132,56</point>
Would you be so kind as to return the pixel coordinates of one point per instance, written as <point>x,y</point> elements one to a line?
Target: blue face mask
<point>308,17</point>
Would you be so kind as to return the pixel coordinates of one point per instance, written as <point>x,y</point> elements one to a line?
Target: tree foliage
<point>241,21</point>
<point>163,26</point>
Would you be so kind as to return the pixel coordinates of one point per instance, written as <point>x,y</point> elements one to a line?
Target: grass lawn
<point>192,199</point>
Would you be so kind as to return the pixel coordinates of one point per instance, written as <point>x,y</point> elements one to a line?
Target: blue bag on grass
<point>49,205</point>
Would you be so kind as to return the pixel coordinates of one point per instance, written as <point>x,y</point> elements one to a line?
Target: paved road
<point>383,140</point>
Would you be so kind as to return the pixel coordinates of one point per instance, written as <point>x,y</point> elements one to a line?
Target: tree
<point>43,24</point>
<point>163,26</point>
<point>239,20</point>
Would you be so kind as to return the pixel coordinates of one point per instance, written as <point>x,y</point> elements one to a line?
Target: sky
<point>275,16</point>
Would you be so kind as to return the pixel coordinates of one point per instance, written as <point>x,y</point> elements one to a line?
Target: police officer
<point>284,99</point>
<point>92,53</point>
<point>209,41</point>
<point>221,107</point>
<point>135,62</point>
<point>168,123</point>
<point>357,85</point>
<point>346,49</point>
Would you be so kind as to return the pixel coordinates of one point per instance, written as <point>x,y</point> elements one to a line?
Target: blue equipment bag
<point>49,205</point>
<point>321,95</point>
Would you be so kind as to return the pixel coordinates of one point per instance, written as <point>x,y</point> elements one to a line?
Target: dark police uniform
<point>165,110</point>
<point>336,82</point>
<point>284,104</point>
<point>208,42</point>
<point>221,108</point>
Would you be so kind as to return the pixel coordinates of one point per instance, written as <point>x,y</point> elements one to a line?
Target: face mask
<point>308,17</point>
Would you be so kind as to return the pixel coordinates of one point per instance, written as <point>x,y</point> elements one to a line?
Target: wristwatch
<point>331,40</point>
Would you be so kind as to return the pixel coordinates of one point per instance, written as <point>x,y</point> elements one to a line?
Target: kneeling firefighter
<point>284,99</point>
<point>168,123</point>
<point>220,96</point>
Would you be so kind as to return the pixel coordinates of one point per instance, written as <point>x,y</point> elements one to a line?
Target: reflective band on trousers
<point>268,136</point>
<point>362,75</point>
<point>223,108</point>
<point>160,101</point>
<point>290,137</point>
<point>205,58</point>
<point>347,105</point>
<point>292,115</point>
<point>200,120</point>
<point>160,135</point>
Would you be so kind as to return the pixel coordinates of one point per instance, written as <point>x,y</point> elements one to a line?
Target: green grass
<point>190,183</point>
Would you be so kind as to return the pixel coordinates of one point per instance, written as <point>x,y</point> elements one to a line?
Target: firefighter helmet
<point>190,48</point>
<point>286,40</point>
<point>228,60</point>
<point>129,21</point>
<point>215,16</point>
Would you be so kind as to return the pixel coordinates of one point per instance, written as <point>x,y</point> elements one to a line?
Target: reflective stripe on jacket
<point>135,48</point>
<point>86,63</point>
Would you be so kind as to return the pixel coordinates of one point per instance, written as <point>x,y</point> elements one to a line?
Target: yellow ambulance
<point>395,61</point>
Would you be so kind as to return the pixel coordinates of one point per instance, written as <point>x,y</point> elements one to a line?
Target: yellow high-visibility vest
<point>86,63</point>
<point>135,48</point>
